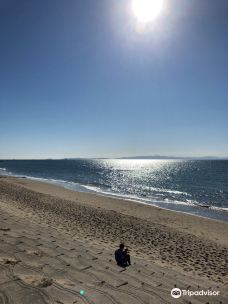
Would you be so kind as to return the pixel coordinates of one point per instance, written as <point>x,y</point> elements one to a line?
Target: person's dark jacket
<point>119,256</point>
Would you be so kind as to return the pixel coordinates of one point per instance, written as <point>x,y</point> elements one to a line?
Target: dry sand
<point>55,242</point>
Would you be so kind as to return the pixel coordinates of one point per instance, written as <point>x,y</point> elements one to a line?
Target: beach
<point>57,242</point>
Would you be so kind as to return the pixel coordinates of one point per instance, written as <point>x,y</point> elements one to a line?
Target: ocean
<point>199,187</point>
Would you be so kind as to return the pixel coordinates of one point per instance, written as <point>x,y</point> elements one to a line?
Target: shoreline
<point>120,205</point>
<point>167,248</point>
<point>212,212</point>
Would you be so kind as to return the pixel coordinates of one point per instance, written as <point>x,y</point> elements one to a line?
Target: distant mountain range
<point>161,157</point>
<point>171,157</point>
<point>134,157</point>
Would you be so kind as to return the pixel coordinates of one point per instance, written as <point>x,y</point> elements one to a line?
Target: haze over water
<point>194,186</point>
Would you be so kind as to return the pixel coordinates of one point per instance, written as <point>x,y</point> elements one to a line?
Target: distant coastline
<point>175,157</point>
<point>138,157</point>
<point>159,157</point>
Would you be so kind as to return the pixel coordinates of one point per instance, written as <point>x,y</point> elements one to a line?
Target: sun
<point>147,10</point>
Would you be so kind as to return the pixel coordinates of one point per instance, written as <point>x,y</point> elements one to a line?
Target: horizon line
<point>124,157</point>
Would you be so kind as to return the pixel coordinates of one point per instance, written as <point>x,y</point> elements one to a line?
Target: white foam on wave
<point>166,191</point>
<point>5,172</point>
<point>219,208</point>
<point>149,201</point>
<point>152,200</point>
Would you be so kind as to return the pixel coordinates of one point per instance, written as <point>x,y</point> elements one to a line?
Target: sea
<point>198,187</point>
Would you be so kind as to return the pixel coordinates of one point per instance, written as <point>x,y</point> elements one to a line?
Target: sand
<point>55,242</point>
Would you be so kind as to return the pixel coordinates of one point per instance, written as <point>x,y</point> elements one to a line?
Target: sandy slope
<point>55,242</point>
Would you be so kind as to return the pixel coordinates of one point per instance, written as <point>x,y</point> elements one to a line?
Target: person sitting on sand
<point>122,256</point>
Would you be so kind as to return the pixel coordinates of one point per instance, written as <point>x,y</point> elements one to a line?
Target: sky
<point>78,78</point>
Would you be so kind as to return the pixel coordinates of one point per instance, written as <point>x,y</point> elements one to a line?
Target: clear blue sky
<point>78,80</point>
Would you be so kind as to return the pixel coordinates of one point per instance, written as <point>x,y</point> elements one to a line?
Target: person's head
<point>121,246</point>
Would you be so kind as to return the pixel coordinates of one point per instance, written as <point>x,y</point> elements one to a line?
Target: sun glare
<point>147,10</point>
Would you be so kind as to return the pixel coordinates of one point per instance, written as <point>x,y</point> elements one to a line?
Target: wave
<point>151,200</point>
<point>219,208</point>
<point>5,172</point>
<point>167,191</point>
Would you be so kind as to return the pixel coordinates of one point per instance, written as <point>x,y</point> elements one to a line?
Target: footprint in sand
<point>4,228</point>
